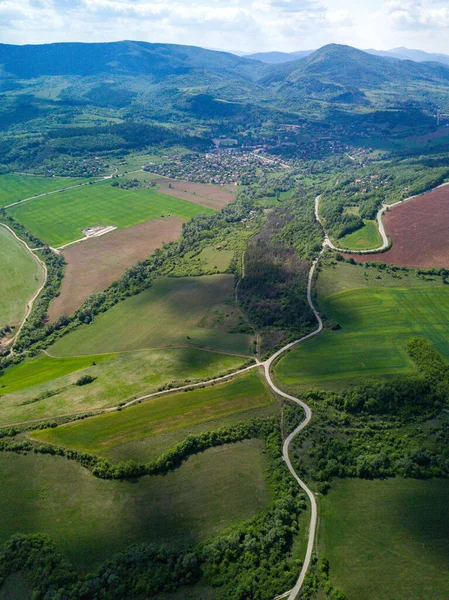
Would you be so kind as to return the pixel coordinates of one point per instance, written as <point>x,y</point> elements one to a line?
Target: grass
<point>216,260</point>
<point>365,238</point>
<point>375,324</point>
<point>387,539</point>
<point>20,277</point>
<point>41,370</point>
<point>171,312</point>
<point>61,218</point>
<point>91,519</point>
<point>159,415</point>
<point>15,187</point>
<point>119,378</point>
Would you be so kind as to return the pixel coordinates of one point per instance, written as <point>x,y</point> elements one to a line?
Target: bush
<point>85,380</point>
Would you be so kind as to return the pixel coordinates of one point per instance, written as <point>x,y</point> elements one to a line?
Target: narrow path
<point>30,304</point>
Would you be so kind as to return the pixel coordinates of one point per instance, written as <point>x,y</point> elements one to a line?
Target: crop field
<point>387,539</point>
<point>21,275</point>
<point>94,264</point>
<point>14,188</point>
<point>213,196</point>
<point>119,378</point>
<point>43,369</point>
<point>375,323</point>
<point>159,415</point>
<point>363,239</point>
<point>61,218</point>
<point>90,519</point>
<point>171,312</point>
<point>418,231</point>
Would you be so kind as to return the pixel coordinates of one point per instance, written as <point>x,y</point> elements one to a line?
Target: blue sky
<point>240,25</point>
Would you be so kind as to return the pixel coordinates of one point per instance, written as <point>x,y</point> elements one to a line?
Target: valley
<point>224,306</point>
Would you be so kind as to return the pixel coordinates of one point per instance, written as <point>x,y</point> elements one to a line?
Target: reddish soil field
<point>94,264</point>
<point>419,231</point>
<point>212,196</point>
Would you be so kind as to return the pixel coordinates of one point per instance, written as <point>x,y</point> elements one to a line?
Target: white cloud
<point>417,14</point>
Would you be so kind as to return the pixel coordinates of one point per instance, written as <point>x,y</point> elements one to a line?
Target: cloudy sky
<point>235,25</point>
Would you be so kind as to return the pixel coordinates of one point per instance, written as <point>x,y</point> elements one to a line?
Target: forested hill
<point>124,58</point>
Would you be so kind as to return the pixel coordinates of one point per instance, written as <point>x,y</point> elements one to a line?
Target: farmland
<point>14,187</point>
<point>418,231</point>
<point>61,218</point>
<point>21,275</point>
<point>174,311</point>
<point>91,519</point>
<point>213,196</point>
<point>159,415</point>
<point>94,264</point>
<point>118,378</point>
<point>375,322</point>
<point>387,539</point>
<point>363,239</point>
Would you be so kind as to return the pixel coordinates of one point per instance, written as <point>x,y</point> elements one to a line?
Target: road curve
<point>30,304</point>
<point>286,447</point>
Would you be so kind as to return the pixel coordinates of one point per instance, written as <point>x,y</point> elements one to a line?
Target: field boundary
<point>386,243</point>
<point>30,303</point>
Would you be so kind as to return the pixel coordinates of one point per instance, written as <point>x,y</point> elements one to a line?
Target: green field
<point>118,378</point>
<point>61,218</point>
<point>365,238</point>
<point>388,539</point>
<point>14,188</point>
<point>21,275</point>
<point>159,415</point>
<point>41,370</point>
<point>216,260</point>
<point>90,519</point>
<point>375,324</point>
<point>174,311</point>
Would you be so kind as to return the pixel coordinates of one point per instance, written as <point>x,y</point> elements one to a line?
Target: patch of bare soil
<point>419,231</point>
<point>212,196</point>
<point>94,264</point>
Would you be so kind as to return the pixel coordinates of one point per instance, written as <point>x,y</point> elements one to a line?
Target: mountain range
<point>399,53</point>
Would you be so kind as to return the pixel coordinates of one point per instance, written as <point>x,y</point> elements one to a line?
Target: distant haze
<point>248,26</point>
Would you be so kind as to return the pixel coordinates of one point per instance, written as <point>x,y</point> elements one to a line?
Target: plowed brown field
<point>212,196</point>
<point>419,231</point>
<point>94,264</point>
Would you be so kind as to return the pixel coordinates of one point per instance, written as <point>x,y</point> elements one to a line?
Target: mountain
<point>348,66</point>
<point>276,58</point>
<point>124,58</point>
<point>414,55</point>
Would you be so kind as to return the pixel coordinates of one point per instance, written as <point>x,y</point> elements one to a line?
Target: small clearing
<point>95,263</point>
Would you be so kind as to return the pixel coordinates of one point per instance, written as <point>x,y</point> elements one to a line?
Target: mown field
<point>14,188</point>
<point>387,539</point>
<point>118,379</point>
<point>159,415</point>
<point>21,275</point>
<point>61,218</point>
<point>174,311</point>
<point>365,238</point>
<point>91,519</point>
<point>375,323</point>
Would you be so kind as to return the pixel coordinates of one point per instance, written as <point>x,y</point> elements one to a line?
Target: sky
<point>235,25</point>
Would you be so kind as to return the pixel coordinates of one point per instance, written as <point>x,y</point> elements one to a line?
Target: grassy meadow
<point>159,415</point>
<point>21,275</point>
<point>365,238</point>
<point>91,519</point>
<point>118,378</point>
<point>375,323</point>
<point>173,312</point>
<point>61,218</point>
<point>387,539</point>
<point>14,187</point>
